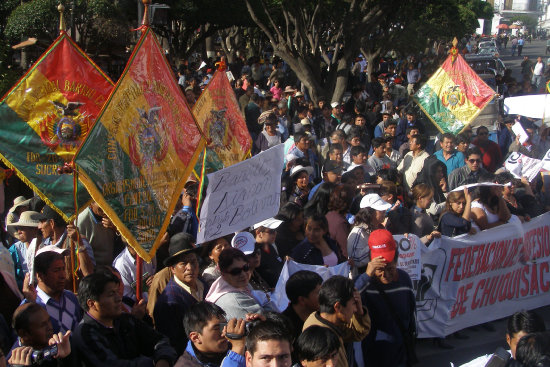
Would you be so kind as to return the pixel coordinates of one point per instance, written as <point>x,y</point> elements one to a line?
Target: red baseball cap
<point>381,243</point>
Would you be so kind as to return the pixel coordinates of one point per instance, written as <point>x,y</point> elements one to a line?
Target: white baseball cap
<point>245,242</point>
<point>374,201</point>
<point>53,248</point>
<point>300,168</point>
<point>270,223</point>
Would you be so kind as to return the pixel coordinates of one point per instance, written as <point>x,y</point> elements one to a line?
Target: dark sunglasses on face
<point>472,161</point>
<point>238,271</point>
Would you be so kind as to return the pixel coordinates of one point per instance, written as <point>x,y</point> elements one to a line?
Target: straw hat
<point>19,201</point>
<point>27,219</point>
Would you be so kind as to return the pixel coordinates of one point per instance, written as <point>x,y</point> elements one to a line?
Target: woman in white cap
<point>369,218</point>
<point>298,191</point>
<point>27,229</point>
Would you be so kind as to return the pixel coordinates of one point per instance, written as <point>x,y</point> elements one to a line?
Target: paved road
<point>480,342</point>
<point>534,49</point>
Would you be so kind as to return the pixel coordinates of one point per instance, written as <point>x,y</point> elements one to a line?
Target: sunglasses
<point>472,161</point>
<point>238,271</point>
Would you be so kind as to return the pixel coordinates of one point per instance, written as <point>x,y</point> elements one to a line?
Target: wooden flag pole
<point>139,275</point>
<point>139,260</point>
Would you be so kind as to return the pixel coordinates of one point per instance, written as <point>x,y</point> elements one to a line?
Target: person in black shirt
<point>302,290</point>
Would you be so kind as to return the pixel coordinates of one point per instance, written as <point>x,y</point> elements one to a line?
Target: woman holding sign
<point>456,218</point>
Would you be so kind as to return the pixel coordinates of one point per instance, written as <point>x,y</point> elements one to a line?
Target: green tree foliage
<point>36,18</point>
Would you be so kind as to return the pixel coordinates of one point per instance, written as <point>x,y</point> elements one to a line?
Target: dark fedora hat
<point>180,244</point>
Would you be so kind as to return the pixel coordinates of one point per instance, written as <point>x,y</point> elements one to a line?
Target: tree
<point>36,18</point>
<point>308,34</point>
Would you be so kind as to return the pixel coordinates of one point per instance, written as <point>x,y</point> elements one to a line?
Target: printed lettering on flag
<point>45,118</point>
<point>139,154</point>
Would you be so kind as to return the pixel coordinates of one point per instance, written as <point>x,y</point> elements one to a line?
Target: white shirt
<point>126,266</point>
<point>537,70</point>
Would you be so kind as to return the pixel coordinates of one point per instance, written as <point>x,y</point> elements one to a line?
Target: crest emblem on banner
<point>148,144</point>
<point>218,129</point>
<point>453,97</point>
<point>65,128</point>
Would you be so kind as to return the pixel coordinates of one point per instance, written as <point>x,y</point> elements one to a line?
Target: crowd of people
<point>356,173</point>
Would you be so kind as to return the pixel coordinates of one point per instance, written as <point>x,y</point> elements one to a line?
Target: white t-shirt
<point>537,70</point>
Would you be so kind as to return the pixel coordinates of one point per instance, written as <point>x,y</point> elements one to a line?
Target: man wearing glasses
<point>490,151</point>
<point>471,172</point>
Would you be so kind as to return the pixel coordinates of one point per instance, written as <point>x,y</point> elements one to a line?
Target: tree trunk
<point>209,46</point>
<point>306,74</point>
<point>342,77</point>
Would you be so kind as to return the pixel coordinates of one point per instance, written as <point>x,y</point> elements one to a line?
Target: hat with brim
<point>299,94</point>
<point>27,219</point>
<point>245,242</point>
<point>270,223</point>
<point>289,89</point>
<point>19,201</point>
<point>374,201</point>
<point>53,248</point>
<point>382,243</point>
<point>180,244</point>
<point>299,168</point>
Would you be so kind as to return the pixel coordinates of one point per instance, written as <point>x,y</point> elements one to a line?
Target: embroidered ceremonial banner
<point>219,117</point>
<point>454,95</point>
<point>142,148</point>
<point>46,116</point>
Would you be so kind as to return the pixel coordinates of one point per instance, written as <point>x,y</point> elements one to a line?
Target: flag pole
<point>62,26</point>
<point>139,260</point>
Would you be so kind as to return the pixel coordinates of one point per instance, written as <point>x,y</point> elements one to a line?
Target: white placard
<point>241,195</point>
<point>535,106</point>
<point>522,166</point>
<point>518,130</point>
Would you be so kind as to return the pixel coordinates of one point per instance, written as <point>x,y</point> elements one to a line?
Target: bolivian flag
<point>46,116</point>
<point>219,117</point>
<point>454,96</point>
<point>142,148</point>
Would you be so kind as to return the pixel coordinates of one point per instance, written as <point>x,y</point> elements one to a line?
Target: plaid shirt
<point>65,314</point>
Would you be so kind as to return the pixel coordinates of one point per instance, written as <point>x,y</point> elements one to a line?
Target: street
<point>533,50</point>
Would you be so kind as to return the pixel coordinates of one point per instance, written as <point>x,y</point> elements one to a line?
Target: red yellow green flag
<point>142,148</point>
<point>219,117</point>
<point>46,116</point>
<point>454,96</point>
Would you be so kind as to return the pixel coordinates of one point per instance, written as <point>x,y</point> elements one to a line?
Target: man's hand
<point>29,291</point>
<point>254,316</point>
<point>72,232</point>
<point>63,344</point>
<point>139,309</point>
<point>378,263</point>
<point>106,222</point>
<point>434,234</point>
<point>21,356</point>
<point>234,331</point>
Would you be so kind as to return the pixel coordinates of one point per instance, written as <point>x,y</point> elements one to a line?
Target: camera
<point>247,327</point>
<point>39,356</point>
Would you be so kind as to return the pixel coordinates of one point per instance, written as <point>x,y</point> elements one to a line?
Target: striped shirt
<point>65,314</point>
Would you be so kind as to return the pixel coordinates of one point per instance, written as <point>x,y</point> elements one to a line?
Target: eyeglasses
<point>238,271</point>
<point>472,161</point>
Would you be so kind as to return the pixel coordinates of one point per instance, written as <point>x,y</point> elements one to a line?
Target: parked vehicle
<point>484,63</point>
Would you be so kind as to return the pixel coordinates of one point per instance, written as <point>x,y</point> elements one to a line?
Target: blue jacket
<point>189,359</point>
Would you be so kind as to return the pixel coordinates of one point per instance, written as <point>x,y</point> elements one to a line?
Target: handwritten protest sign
<point>522,166</point>
<point>241,195</point>
<point>480,278</point>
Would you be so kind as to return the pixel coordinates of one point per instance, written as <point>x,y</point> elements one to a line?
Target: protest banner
<point>454,96</point>
<point>279,298</point>
<point>45,118</point>
<point>534,106</point>
<point>219,117</point>
<point>521,165</point>
<point>476,279</point>
<point>241,195</point>
<point>142,148</point>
